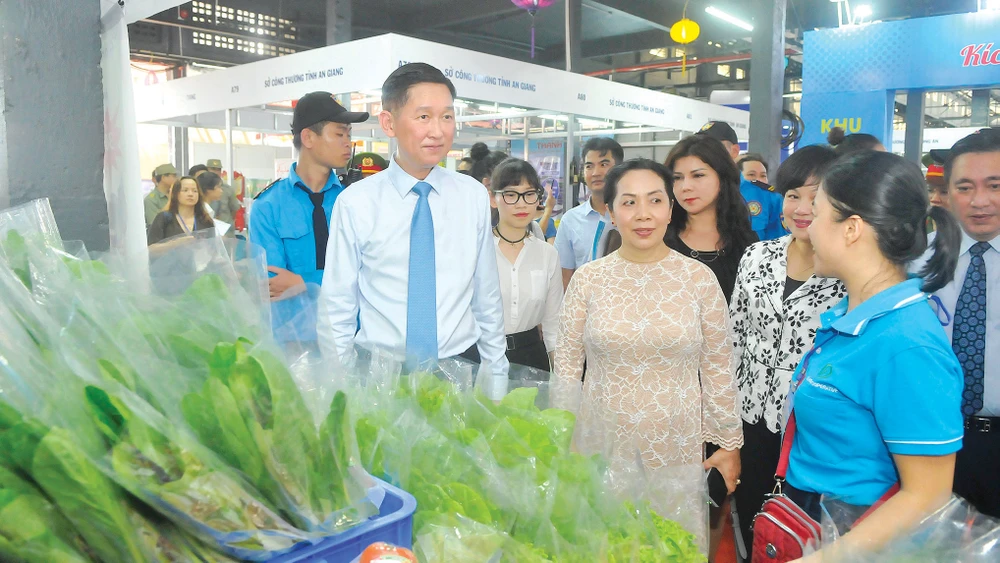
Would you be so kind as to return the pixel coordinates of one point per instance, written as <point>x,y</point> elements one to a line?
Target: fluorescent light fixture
<point>712,10</point>
<point>792,95</point>
<point>658,53</point>
<point>862,11</point>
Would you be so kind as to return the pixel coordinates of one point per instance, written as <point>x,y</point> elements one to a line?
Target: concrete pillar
<point>914,141</point>
<point>338,21</point>
<point>574,33</point>
<point>980,108</point>
<point>179,145</point>
<point>52,113</point>
<point>767,79</point>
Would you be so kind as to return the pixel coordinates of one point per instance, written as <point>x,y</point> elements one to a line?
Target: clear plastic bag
<point>167,378</point>
<point>956,532</point>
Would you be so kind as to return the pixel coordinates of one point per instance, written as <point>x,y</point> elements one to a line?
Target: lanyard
<point>597,239</point>
<point>184,224</point>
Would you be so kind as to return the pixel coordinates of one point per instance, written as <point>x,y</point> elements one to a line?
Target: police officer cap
<point>721,131</point>
<point>315,107</point>
<point>214,163</point>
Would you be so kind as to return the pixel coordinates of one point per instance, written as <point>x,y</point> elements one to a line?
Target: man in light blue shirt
<point>971,304</point>
<point>411,248</point>
<point>581,228</point>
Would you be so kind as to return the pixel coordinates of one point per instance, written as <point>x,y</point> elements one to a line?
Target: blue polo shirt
<point>281,223</point>
<point>881,380</point>
<point>765,210</point>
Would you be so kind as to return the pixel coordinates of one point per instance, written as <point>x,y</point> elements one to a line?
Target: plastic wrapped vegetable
<point>31,528</point>
<point>84,495</point>
<point>186,484</point>
<point>251,413</point>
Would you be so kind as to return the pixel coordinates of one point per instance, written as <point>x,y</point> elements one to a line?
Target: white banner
<point>365,64</point>
<point>121,148</point>
<point>136,10</point>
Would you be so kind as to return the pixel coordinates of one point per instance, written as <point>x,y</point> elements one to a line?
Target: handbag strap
<point>789,436</point>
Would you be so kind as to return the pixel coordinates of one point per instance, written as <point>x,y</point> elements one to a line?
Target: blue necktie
<point>968,338</point>
<point>421,293</point>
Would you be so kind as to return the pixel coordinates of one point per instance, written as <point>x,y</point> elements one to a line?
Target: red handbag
<point>782,531</point>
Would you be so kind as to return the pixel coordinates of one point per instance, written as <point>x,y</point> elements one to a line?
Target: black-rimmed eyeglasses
<point>511,197</point>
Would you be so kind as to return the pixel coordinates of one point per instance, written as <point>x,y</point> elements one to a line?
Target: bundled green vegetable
<point>86,498</point>
<point>178,480</point>
<point>31,528</point>
<point>251,413</point>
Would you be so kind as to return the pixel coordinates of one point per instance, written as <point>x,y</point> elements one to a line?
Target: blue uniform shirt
<point>281,223</point>
<point>765,210</point>
<point>881,380</point>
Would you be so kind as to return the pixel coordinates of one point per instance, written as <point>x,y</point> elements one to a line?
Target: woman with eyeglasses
<point>530,276</point>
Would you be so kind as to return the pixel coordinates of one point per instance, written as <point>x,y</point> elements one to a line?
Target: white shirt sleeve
<point>487,307</point>
<point>339,296</point>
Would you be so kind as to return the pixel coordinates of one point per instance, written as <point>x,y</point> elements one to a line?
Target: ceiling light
<point>862,11</point>
<point>658,53</point>
<point>712,10</point>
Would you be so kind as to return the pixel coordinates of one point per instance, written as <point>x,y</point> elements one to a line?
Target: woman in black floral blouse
<point>775,312</point>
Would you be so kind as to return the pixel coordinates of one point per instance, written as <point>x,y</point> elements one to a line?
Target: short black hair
<point>888,192</point>
<point>807,162</point>
<point>208,181</point>
<point>315,128</point>
<point>511,172</point>
<point>984,140</point>
<point>753,157</point>
<point>396,88</point>
<point>618,172</point>
<point>196,169</point>
<point>603,146</point>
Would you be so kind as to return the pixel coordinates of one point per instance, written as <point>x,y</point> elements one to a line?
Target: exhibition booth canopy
<point>363,65</point>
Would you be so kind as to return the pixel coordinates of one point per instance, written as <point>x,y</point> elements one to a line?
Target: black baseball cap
<point>315,107</point>
<point>720,131</point>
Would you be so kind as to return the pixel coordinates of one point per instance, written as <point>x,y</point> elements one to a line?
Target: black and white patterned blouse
<point>772,335</point>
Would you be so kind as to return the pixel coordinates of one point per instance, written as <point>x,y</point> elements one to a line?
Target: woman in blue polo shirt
<point>879,402</point>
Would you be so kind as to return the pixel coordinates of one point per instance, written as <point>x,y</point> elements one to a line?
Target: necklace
<point>714,256</point>
<point>507,240</point>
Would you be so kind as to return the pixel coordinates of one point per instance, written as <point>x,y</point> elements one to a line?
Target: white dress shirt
<point>532,289</point>
<point>580,232</point>
<point>367,269</point>
<point>949,298</point>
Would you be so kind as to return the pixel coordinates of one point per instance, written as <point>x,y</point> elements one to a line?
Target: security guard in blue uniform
<point>290,219</point>
<point>763,204</point>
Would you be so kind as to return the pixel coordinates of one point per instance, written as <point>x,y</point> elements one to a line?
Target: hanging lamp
<point>532,6</point>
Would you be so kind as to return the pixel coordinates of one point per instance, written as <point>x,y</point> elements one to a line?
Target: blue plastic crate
<point>393,525</point>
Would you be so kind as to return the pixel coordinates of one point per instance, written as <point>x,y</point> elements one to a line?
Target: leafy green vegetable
<point>159,470</point>
<point>31,529</point>
<point>501,477</point>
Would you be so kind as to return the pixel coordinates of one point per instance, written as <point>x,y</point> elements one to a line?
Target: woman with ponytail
<point>876,402</point>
